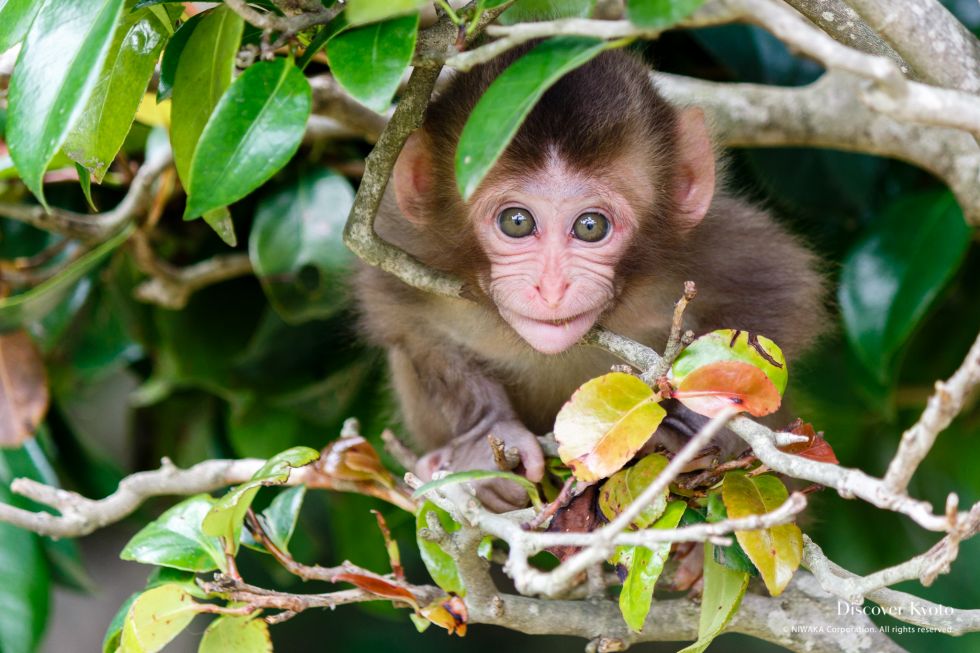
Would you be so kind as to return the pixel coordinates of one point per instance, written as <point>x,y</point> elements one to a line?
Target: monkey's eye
<point>516,223</point>
<point>591,227</point>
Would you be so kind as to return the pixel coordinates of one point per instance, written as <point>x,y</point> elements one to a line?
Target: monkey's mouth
<point>551,335</point>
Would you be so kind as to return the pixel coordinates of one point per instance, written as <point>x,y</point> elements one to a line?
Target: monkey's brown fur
<point>455,362</point>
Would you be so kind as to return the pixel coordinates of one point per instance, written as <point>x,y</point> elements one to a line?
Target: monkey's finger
<point>492,501</point>
<point>512,494</point>
<point>532,458</point>
<point>429,464</point>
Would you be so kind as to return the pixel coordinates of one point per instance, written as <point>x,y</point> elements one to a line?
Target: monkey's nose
<point>552,290</point>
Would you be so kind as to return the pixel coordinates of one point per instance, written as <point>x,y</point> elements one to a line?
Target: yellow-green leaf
<point>776,552</point>
<point>643,569</point>
<point>733,345</point>
<point>605,423</point>
<point>623,487</point>
<point>723,592</point>
<point>156,617</point>
<point>440,564</point>
<point>236,634</point>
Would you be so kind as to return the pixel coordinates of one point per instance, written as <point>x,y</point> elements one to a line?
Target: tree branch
<point>929,37</point>
<point>947,402</point>
<point>846,26</point>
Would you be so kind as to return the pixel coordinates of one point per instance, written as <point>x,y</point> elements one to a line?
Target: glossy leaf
<point>722,594</point>
<point>255,129</point>
<point>644,566</point>
<point>499,113</point>
<point>440,564</point>
<point>733,345</point>
<point>155,618</point>
<point>56,73</point>
<point>605,423</point>
<point>623,487</point>
<point>23,388</point>
<point>25,587</point>
<point>226,517</point>
<point>369,61</point>
<point>171,56</point>
<point>279,519</point>
<point>482,475</point>
<point>296,245</point>
<point>660,13</point>
<point>175,539</point>
<point>368,11</point>
<point>203,73</point>
<point>16,17</point>
<point>715,387</point>
<point>113,634</point>
<point>895,273</point>
<point>776,552</point>
<point>100,130</point>
<point>37,302</point>
<point>239,634</point>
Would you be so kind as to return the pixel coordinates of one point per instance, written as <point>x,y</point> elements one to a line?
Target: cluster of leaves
<point>601,431</point>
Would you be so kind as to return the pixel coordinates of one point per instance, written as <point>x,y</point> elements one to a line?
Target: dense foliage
<point>117,361</point>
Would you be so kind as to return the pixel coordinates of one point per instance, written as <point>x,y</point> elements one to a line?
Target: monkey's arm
<point>450,406</point>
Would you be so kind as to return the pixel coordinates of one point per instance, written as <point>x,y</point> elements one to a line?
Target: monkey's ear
<point>413,177</point>
<point>696,167</point>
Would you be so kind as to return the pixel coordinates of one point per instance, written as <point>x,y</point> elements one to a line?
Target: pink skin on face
<point>550,286</point>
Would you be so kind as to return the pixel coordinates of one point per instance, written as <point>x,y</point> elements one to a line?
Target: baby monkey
<point>603,204</point>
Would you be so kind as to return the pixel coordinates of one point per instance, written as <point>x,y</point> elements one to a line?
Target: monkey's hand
<point>472,451</point>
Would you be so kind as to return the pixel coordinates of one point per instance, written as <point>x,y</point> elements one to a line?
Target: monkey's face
<point>553,240</point>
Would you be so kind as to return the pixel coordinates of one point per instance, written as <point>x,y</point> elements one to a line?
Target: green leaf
<point>623,487</point>
<point>238,634</point>
<point>226,517</point>
<point>171,56</point>
<point>481,475</point>
<point>203,72</point>
<point>895,273</point>
<point>16,17</point>
<point>296,245</point>
<point>176,539</point>
<point>524,11</point>
<point>37,302</point>
<point>732,556</point>
<point>220,221</point>
<point>255,129</point>
<point>368,11</point>
<point>155,618</point>
<point>113,634</point>
<point>99,132</point>
<point>660,13</point>
<point>279,519</point>
<point>25,587</point>
<point>644,566</point>
<point>776,552</point>
<point>369,61</point>
<point>499,113</point>
<point>440,564</point>
<point>55,74</point>
<point>722,594</point>
<point>733,345</point>
<point>605,423</point>
<point>338,24</point>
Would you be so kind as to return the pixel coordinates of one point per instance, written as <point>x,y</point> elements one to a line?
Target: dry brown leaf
<point>23,388</point>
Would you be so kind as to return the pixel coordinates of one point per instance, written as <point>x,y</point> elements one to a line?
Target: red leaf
<point>815,448</point>
<point>379,587</point>
<point>580,515</point>
<point>711,388</point>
